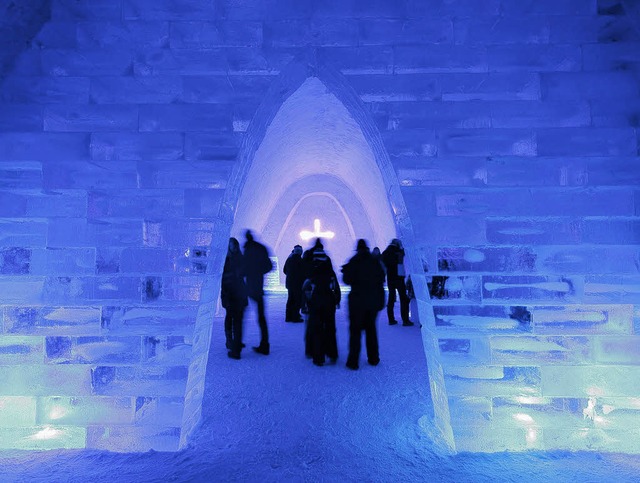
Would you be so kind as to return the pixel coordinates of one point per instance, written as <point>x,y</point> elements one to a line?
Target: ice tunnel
<point>314,163</point>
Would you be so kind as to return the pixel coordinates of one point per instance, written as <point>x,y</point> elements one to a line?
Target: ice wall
<point>512,127</point>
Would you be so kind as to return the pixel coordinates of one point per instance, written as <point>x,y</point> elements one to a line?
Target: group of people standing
<point>313,290</point>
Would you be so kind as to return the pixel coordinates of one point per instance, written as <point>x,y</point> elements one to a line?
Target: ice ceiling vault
<point>314,163</point>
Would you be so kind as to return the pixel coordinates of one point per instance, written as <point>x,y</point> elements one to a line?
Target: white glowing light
<point>316,233</point>
<point>600,421</point>
<point>47,433</point>
<point>525,418</point>
<point>530,400</point>
<point>57,412</point>
<point>532,435</point>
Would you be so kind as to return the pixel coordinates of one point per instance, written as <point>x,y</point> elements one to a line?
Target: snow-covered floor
<point>280,418</point>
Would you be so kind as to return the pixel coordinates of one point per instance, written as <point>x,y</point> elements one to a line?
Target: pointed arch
<point>287,83</point>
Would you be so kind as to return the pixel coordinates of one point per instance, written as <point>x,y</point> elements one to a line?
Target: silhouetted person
<point>393,259</point>
<point>366,277</point>
<point>234,298</point>
<point>375,252</point>
<point>257,264</point>
<point>307,257</point>
<point>322,296</point>
<point>294,273</point>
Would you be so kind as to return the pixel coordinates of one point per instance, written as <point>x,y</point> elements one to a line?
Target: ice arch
<point>309,111</point>
<point>313,142</point>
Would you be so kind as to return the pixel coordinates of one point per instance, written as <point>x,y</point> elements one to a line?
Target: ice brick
<point>43,438</point>
<point>489,319</point>
<point>132,438</point>
<point>42,89</point>
<point>596,380</point>
<point>23,175</point>
<point>142,320</point>
<point>118,35</point>
<point>582,319</point>
<point>543,58</point>
<point>158,411</point>
<point>90,118</point>
<point>17,411</point>
<point>612,288</point>
<point>131,381</point>
<point>137,90</point>
<point>529,288</point>
<point>93,350</point>
<point>617,350</point>
<point>75,63</point>
<point>541,350</point>
<point>42,380</point>
<point>83,411</point>
<point>492,381</point>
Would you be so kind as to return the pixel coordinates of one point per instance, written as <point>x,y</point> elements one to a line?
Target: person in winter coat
<point>257,264</point>
<point>233,295</point>
<point>366,277</point>
<point>294,273</point>
<point>321,298</point>
<point>307,257</point>
<point>393,259</point>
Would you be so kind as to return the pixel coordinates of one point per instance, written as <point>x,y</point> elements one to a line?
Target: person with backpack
<point>321,295</point>
<point>257,264</point>
<point>393,259</point>
<point>365,275</point>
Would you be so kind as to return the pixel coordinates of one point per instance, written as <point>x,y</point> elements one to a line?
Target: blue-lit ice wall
<point>512,127</point>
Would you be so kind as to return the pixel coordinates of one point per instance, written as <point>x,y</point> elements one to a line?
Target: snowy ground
<point>280,418</point>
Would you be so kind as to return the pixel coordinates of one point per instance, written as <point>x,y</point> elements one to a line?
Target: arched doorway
<point>312,148</point>
<point>314,163</point>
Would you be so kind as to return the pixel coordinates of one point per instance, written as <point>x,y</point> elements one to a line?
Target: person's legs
<point>263,348</point>
<point>236,347</point>
<point>371,336</point>
<point>330,340</point>
<point>315,337</point>
<point>228,324</point>
<point>391,302</point>
<point>289,315</point>
<point>296,304</point>
<point>404,302</point>
<point>355,333</point>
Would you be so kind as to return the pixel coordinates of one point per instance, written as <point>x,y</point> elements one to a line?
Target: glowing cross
<point>316,233</point>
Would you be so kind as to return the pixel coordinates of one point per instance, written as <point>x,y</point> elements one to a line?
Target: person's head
<point>234,245</point>
<point>318,245</point>
<point>375,251</point>
<point>297,250</point>
<point>396,243</point>
<point>248,235</point>
<point>362,246</point>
